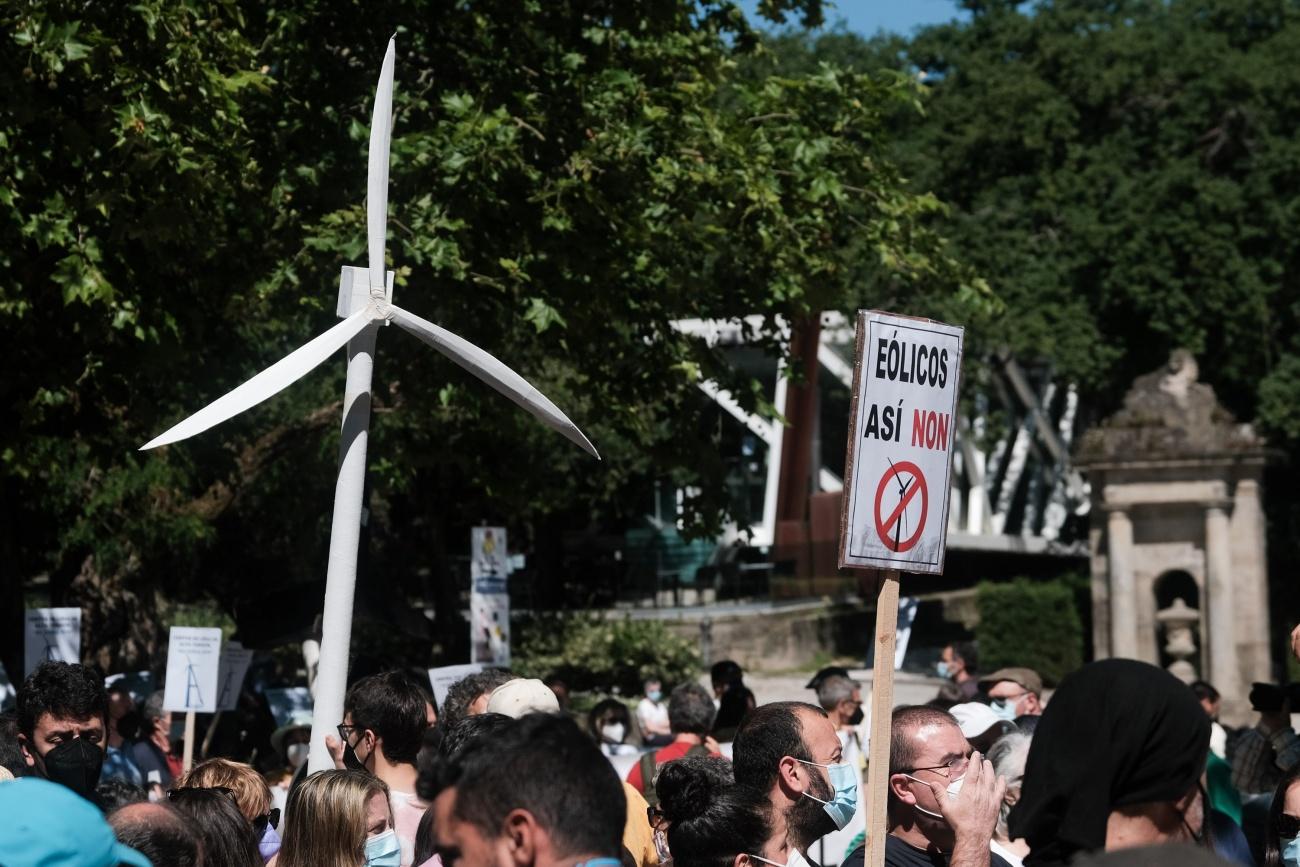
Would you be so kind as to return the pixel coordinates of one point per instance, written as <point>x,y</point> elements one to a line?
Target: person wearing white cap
<point>522,696</point>
<point>979,724</point>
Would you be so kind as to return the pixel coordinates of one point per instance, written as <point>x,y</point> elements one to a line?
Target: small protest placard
<point>235,659</point>
<point>442,678</point>
<point>902,432</point>
<point>52,634</point>
<point>193,666</point>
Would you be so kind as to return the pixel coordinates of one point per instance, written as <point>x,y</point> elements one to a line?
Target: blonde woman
<point>251,793</point>
<point>339,819</point>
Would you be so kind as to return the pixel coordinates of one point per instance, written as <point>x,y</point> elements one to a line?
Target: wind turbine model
<point>365,303</point>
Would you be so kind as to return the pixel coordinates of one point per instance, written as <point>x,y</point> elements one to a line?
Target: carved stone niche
<point>1175,483</point>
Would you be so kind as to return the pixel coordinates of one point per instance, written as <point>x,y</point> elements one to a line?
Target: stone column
<point>1250,581</point>
<point>1219,601</point>
<point>1123,597</point>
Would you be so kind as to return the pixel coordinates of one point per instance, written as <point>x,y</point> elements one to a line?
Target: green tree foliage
<point>592,653</point>
<point>1125,174</point>
<point>183,180</point>
<point>1029,623</point>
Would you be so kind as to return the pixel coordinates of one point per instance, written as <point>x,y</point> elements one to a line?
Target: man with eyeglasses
<point>1014,692</point>
<point>383,728</point>
<point>943,799</point>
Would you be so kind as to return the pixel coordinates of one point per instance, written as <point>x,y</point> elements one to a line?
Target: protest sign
<point>235,659</point>
<point>442,678</point>
<point>898,469</point>
<point>489,602</point>
<point>902,432</point>
<point>52,634</point>
<point>193,665</point>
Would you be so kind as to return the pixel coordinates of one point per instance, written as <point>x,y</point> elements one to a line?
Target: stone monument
<point>1176,493</point>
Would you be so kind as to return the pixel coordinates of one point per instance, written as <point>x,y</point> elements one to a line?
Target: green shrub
<point>592,653</point>
<point>1029,623</point>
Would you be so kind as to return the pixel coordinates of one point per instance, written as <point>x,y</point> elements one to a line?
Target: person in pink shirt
<point>384,719</point>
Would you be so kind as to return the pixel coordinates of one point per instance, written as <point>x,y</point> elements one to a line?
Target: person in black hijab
<point>1116,759</point>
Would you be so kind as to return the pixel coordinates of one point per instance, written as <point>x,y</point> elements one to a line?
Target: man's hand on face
<point>974,812</point>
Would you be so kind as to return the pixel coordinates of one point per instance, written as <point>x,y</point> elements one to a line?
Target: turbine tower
<point>365,303</point>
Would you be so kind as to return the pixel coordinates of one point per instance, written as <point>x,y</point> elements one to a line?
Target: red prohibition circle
<point>883,526</point>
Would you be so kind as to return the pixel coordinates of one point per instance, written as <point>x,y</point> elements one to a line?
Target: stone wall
<point>785,638</point>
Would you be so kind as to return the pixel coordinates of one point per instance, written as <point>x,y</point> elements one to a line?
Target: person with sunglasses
<point>227,835</point>
<point>1282,843</point>
<point>384,720</point>
<point>251,793</point>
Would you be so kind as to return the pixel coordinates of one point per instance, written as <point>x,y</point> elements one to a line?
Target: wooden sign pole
<point>187,761</point>
<point>882,707</point>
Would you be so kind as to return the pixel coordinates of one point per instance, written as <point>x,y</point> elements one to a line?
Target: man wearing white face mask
<point>943,802</point>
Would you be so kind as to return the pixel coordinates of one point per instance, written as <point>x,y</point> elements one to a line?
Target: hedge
<point>610,655</point>
<point>1035,624</point>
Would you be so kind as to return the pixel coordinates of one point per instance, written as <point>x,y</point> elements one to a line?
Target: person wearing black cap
<point>1116,762</point>
<point>1260,756</point>
<point>828,671</point>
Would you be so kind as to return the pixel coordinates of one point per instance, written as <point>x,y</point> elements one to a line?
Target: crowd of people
<point>1122,762</point>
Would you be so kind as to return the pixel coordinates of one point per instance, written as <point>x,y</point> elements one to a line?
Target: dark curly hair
<point>463,692</point>
<point>710,819</point>
<point>64,690</point>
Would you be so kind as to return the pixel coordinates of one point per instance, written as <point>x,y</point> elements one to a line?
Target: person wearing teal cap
<point>47,825</point>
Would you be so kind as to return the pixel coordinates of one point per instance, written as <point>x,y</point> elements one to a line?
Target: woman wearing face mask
<point>339,819</point>
<point>610,723</point>
<point>1282,844</point>
<point>709,821</point>
<point>251,793</point>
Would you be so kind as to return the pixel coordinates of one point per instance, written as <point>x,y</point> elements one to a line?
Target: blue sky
<point>898,16</point>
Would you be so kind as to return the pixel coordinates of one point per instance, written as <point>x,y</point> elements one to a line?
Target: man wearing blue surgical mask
<point>1014,692</point>
<point>958,663</point>
<point>943,800</point>
<point>790,751</point>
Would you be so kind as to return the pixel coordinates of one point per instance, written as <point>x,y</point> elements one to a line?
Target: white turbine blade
<point>494,373</point>
<point>381,129</point>
<point>275,378</point>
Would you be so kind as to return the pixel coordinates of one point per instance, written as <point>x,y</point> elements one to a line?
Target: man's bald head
<point>159,832</point>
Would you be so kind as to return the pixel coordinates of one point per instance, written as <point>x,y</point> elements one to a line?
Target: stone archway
<point>1176,485</point>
